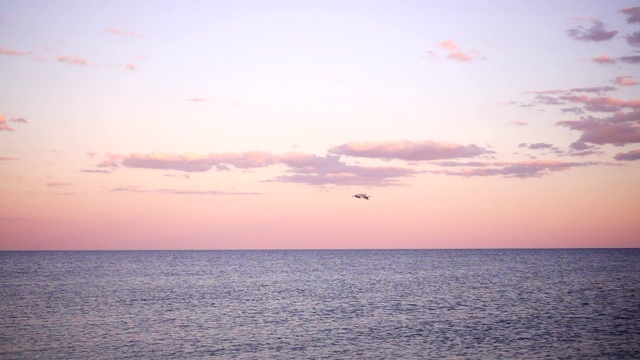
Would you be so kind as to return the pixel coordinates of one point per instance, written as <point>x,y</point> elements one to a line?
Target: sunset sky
<point>250,124</point>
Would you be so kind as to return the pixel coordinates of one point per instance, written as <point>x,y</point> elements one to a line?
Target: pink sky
<point>250,125</point>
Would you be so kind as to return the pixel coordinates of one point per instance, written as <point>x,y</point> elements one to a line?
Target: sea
<point>324,304</point>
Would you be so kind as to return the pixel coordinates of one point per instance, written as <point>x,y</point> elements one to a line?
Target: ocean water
<point>360,304</point>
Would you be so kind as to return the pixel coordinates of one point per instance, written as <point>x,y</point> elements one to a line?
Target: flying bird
<point>361,196</point>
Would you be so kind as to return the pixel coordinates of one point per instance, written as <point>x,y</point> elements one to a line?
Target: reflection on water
<point>430,304</point>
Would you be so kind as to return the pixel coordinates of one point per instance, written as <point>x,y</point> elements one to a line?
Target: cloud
<point>73,60</point>
<point>596,32</point>
<point>633,39</point>
<point>519,123</point>
<point>625,81</point>
<point>3,124</point>
<point>7,158</point>
<point>131,67</point>
<point>630,59</point>
<point>136,189</point>
<point>11,52</point>
<point>407,150</point>
<point>607,60</point>
<point>303,168</point>
<point>95,171</point>
<point>634,14</point>
<point>197,99</point>
<point>632,155</point>
<point>114,31</point>
<point>604,59</point>
<point>18,120</point>
<point>58,184</point>
<point>330,170</point>
<point>602,103</point>
<point>538,146</point>
<point>619,129</point>
<point>454,52</point>
<point>523,169</point>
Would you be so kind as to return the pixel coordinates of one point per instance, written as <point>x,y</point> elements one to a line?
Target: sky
<point>239,124</point>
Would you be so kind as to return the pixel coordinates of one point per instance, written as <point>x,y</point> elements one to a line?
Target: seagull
<point>361,196</point>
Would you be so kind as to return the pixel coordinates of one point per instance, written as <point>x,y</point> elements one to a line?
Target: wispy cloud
<point>519,122</point>
<point>597,32</point>
<point>95,171</point>
<point>137,189</point>
<point>72,60</point>
<point>58,184</point>
<point>632,155</point>
<point>604,59</point>
<point>408,150</point>
<point>7,158</point>
<point>625,81</point>
<point>197,99</point>
<point>18,120</point>
<point>523,169</point>
<point>131,67</point>
<point>633,14</point>
<point>454,52</point>
<point>607,60</point>
<point>602,103</point>
<point>12,52</point>
<point>114,31</point>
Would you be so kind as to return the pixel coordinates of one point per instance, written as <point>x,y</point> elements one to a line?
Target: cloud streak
<point>72,60</point>
<point>114,31</point>
<point>522,170</point>
<point>139,190</point>
<point>12,52</point>
<point>58,184</point>
<point>408,150</point>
